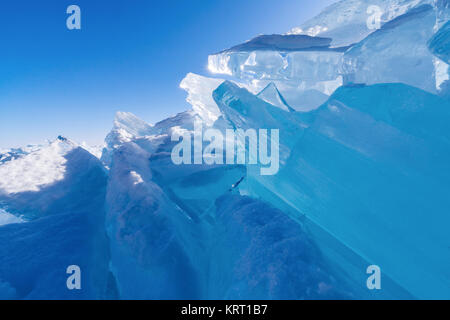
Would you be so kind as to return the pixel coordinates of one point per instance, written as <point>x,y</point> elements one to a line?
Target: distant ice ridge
<point>95,150</point>
<point>271,95</point>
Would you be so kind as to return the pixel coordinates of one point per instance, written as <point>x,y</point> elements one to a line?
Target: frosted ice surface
<point>363,179</point>
<point>440,43</point>
<point>312,65</point>
<point>271,95</point>
<point>199,91</point>
<point>398,52</point>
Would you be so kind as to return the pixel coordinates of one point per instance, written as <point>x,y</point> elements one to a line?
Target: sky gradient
<point>128,56</point>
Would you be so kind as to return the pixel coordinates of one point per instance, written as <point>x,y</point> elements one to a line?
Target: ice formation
<point>364,168</point>
<point>43,167</point>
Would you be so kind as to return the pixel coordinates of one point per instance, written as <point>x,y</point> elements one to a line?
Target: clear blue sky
<point>130,55</point>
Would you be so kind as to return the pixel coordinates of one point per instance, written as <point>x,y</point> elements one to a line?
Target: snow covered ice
<point>364,152</point>
<point>59,219</point>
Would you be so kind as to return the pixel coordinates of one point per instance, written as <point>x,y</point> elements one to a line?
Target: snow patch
<point>199,91</point>
<point>136,177</point>
<point>271,95</point>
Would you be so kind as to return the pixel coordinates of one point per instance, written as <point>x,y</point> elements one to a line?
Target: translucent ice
<point>440,43</point>
<point>346,21</point>
<point>398,52</point>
